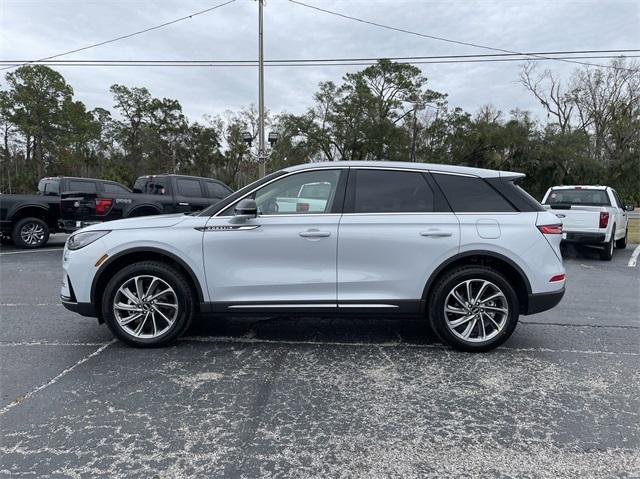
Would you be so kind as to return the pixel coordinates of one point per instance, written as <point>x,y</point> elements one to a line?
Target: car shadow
<point>315,329</point>
<point>571,251</point>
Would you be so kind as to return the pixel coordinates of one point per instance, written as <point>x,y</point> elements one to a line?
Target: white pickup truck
<point>591,215</point>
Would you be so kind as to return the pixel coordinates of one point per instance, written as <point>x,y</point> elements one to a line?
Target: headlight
<point>82,239</point>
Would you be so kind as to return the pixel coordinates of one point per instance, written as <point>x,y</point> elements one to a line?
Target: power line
<point>442,39</point>
<point>129,35</point>
<point>621,52</point>
<point>306,63</point>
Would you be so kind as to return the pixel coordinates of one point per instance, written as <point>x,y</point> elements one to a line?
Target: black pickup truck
<point>152,195</point>
<point>28,220</point>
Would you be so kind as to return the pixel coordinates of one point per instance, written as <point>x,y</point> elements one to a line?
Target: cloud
<point>32,29</point>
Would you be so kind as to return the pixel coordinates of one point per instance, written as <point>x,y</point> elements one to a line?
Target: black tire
<point>439,319</point>
<point>185,300</point>
<point>606,253</point>
<point>30,233</point>
<point>622,242</point>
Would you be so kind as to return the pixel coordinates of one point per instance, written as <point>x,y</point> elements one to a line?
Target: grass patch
<point>634,230</point>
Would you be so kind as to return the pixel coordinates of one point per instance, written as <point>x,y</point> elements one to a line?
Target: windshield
<point>49,186</point>
<point>578,197</point>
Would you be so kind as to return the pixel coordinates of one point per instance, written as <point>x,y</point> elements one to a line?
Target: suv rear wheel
<point>148,304</point>
<point>473,308</point>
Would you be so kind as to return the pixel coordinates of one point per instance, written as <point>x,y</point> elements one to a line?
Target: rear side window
<point>151,185</point>
<point>216,190</point>
<point>468,194</point>
<point>578,196</point>
<point>384,191</point>
<point>113,188</point>
<point>188,187</point>
<point>83,186</point>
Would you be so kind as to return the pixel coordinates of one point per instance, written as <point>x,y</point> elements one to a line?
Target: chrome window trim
<point>342,167</point>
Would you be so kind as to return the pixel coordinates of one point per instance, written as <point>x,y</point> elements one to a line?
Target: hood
<point>156,221</point>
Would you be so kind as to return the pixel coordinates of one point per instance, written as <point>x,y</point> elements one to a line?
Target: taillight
<point>551,229</point>
<point>604,219</point>
<point>103,205</point>
<point>557,278</point>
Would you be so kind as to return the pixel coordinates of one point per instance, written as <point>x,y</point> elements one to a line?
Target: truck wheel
<point>607,252</point>
<point>30,233</point>
<point>622,242</point>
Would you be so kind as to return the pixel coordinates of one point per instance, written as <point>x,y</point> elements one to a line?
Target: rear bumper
<point>69,226</point>
<point>543,301</point>
<point>83,309</point>
<point>585,238</point>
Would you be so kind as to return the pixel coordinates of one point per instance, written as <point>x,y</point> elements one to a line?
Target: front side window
<point>385,191</point>
<point>216,190</point>
<point>310,192</point>
<point>470,194</point>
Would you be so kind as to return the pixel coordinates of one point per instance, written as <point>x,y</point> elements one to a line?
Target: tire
<point>499,322</point>
<point>622,242</point>
<point>30,233</point>
<point>607,252</point>
<point>155,325</point>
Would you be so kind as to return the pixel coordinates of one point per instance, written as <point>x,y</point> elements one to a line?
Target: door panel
<point>284,258</point>
<point>391,256</point>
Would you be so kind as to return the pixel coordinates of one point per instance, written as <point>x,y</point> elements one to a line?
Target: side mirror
<point>629,207</point>
<point>245,210</point>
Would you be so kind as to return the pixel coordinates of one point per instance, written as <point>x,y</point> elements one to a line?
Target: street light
<point>273,138</point>
<point>247,137</point>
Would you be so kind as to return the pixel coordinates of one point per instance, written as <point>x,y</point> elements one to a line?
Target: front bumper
<point>84,309</point>
<point>543,301</point>
<point>584,238</point>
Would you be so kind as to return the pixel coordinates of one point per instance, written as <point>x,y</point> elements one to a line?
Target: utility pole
<point>262,154</point>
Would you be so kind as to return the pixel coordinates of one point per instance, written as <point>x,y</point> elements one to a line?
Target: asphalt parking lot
<point>321,398</point>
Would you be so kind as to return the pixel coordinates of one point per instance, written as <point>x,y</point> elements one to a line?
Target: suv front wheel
<point>148,304</point>
<point>473,308</point>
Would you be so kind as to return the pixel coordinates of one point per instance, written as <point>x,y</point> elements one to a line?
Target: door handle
<point>314,234</point>
<point>435,234</point>
<point>183,204</point>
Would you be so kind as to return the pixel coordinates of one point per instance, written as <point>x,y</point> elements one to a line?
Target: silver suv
<point>465,248</point>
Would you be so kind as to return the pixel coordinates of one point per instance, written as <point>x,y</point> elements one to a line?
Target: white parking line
<point>21,399</point>
<point>32,251</point>
<point>634,257</point>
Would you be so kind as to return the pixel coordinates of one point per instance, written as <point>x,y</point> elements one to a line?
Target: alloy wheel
<point>145,306</point>
<point>476,310</point>
<point>32,233</point>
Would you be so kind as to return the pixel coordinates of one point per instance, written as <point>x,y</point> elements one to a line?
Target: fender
<point>16,209</point>
<point>465,254</point>
<point>145,249</point>
<point>136,206</point>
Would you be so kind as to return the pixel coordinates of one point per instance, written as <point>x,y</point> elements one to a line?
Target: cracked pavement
<point>317,397</point>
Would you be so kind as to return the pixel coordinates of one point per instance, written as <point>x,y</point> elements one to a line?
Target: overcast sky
<point>32,29</point>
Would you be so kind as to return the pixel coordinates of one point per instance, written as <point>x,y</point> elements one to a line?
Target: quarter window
<point>384,191</point>
<point>188,187</point>
<point>468,194</point>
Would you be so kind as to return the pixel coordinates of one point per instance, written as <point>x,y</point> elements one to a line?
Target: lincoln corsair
<point>466,249</point>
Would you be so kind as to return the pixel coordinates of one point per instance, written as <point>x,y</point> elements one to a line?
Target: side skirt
<point>322,308</point>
